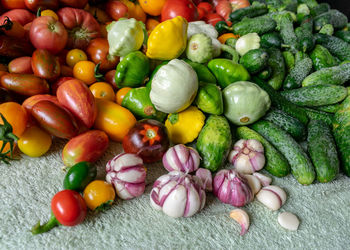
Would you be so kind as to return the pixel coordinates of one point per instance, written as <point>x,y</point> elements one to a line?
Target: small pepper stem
<point>231,51</point>
<point>38,229</point>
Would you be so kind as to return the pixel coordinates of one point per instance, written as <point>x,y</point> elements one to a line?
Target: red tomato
<point>45,65</point>
<point>79,4</point>
<point>59,82</point>
<point>19,15</point>
<point>75,96</point>
<point>31,101</point>
<point>110,78</point>
<point>48,33</point>
<point>34,5</point>
<point>68,207</point>
<point>213,18</point>
<point>184,8</point>
<point>24,84</point>
<point>98,52</point>
<point>21,65</point>
<point>81,25</point>
<point>206,6</point>
<point>13,47</point>
<point>11,4</point>
<point>117,10</point>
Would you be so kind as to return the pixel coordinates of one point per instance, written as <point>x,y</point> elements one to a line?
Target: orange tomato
<point>113,119</point>
<point>152,7</point>
<point>121,93</point>
<point>49,13</point>
<point>151,23</point>
<point>85,71</point>
<point>102,90</point>
<point>135,10</point>
<point>226,36</point>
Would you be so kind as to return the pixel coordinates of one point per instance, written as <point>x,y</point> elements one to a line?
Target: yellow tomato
<point>121,93</point>
<point>102,90</point>
<point>152,7</point>
<point>99,194</point>
<point>74,56</point>
<point>113,119</point>
<point>85,71</point>
<point>49,13</point>
<point>34,142</point>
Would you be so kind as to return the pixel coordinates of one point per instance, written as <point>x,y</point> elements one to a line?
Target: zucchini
<point>344,35</point>
<point>301,70</point>
<point>301,166</point>
<point>289,60</point>
<point>254,10</point>
<point>288,123</point>
<point>322,151</point>
<point>322,58</point>
<point>272,39</point>
<point>319,115</point>
<point>320,9</point>
<point>276,163</point>
<point>336,75</point>
<point>334,17</point>
<point>287,32</point>
<point>277,64</point>
<point>280,102</point>
<point>255,60</point>
<point>335,45</point>
<point>317,95</point>
<point>260,25</point>
<point>214,142</point>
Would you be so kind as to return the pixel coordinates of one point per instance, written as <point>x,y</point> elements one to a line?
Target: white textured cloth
<point>27,186</point>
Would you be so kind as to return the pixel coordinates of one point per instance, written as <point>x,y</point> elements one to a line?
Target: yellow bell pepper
<point>168,39</point>
<point>184,127</point>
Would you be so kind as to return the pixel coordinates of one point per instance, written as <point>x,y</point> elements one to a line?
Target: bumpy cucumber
<point>333,108</point>
<point>260,25</point>
<point>309,3</point>
<point>317,95</point>
<point>254,10</point>
<point>301,166</point>
<point>289,60</point>
<point>344,35</point>
<point>322,150</point>
<point>255,60</point>
<point>335,45</point>
<point>322,58</point>
<point>214,142</point>
<point>265,74</point>
<point>320,9</point>
<point>334,17</point>
<point>276,163</point>
<point>304,34</point>
<point>298,74</point>
<point>288,123</point>
<point>277,64</point>
<point>319,115</point>
<point>272,39</point>
<point>287,32</point>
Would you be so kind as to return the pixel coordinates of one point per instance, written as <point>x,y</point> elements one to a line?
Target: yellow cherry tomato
<point>49,13</point>
<point>74,56</point>
<point>85,71</point>
<point>102,90</point>
<point>98,194</point>
<point>120,94</point>
<point>34,142</point>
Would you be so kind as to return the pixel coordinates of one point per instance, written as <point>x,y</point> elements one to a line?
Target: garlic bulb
<point>127,174</point>
<point>178,194</point>
<point>206,178</point>
<point>181,158</point>
<point>232,188</point>
<point>247,156</point>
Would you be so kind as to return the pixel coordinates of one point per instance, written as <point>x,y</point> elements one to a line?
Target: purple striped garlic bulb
<point>181,158</point>
<point>127,174</point>
<point>247,156</point>
<point>178,194</point>
<point>232,188</point>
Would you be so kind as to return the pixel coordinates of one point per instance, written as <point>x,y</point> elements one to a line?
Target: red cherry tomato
<point>184,8</point>
<point>98,52</point>
<point>69,207</point>
<point>117,10</point>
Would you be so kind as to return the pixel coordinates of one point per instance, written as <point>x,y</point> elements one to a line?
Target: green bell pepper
<point>79,176</point>
<point>149,83</point>
<point>209,99</point>
<point>137,100</point>
<point>202,71</point>
<point>132,71</point>
<point>227,72</point>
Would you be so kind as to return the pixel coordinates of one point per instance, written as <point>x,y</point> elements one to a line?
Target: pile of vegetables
<point>195,84</point>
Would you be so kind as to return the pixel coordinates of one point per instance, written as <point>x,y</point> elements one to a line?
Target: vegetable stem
<point>38,229</point>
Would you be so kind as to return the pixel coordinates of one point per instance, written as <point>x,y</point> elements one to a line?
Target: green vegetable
<point>209,99</point>
<point>255,60</point>
<point>322,58</point>
<point>254,10</point>
<point>334,17</point>
<point>336,75</point>
<point>149,83</point>
<point>265,74</point>
<point>335,45</point>
<point>288,123</point>
<point>319,115</point>
<point>302,11</point>
<point>332,108</point>
<point>231,52</point>
<point>227,72</point>
<point>79,176</point>
<point>222,27</point>
<point>277,64</point>
<point>298,74</point>
<point>317,95</point>
<point>289,60</point>
<point>247,42</point>
<point>214,142</point>
<point>260,25</point>
<point>327,29</point>
<point>300,163</point>
<point>300,56</point>
<point>203,73</point>
<point>287,32</point>
<point>199,48</point>
<point>132,70</point>
<point>272,39</point>
<point>305,38</point>
<point>6,136</point>
<point>276,163</point>
<point>322,150</point>
<point>320,9</point>
<point>309,3</point>
<point>344,35</point>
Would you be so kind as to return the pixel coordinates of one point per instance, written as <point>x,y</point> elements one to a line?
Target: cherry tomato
<point>117,10</point>
<point>99,194</point>
<point>11,4</point>
<point>34,142</point>
<point>121,93</point>
<point>68,207</point>
<point>42,4</point>
<point>184,8</point>
<point>152,7</point>
<point>16,115</point>
<point>74,56</point>
<point>102,90</point>
<point>66,71</point>
<point>85,71</point>
<point>151,23</point>
<point>98,52</point>
<point>110,78</point>
<point>49,13</point>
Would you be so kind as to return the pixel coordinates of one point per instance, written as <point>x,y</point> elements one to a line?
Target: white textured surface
<point>27,186</point>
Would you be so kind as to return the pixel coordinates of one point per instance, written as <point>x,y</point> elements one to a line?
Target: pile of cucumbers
<point>306,74</point>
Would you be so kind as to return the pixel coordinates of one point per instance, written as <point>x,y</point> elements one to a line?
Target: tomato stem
<point>6,136</point>
<point>39,229</point>
<point>7,25</point>
<point>98,75</point>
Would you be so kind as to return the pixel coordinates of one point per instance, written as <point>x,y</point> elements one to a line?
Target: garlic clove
<point>243,165</point>
<point>165,190</point>
<point>193,202</point>
<point>121,191</point>
<point>239,144</point>
<point>132,174</point>
<point>288,221</point>
<point>255,145</point>
<point>242,218</point>
<point>125,161</point>
<point>272,197</point>
<point>264,179</point>
<point>175,203</point>
<point>254,183</point>
<point>206,177</point>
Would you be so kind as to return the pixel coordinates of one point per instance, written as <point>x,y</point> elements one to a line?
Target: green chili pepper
<point>203,73</point>
<point>6,136</point>
<point>222,27</point>
<point>209,99</point>
<point>79,176</point>
<point>132,71</point>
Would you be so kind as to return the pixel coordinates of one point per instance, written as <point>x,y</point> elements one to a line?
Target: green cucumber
<point>344,35</point>
<point>322,58</point>
<point>327,29</point>
<point>301,70</point>
<point>305,39</point>
<point>301,166</point>
<point>336,75</point>
<point>288,123</point>
<point>214,142</point>
<point>272,39</point>
<point>260,25</point>
<point>334,17</point>
<point>255,60</point>
<point>276,163</point>
<point>254,10</point>
<point>310,3</point>
<point>277,64</point>
<point>320,9</point>
<point>280,102</point>
<point>265,74</point>
<point>335,45</point>
<point>287,32</point>
<point>322,151</point>
<point>289,60</point>
<point>332,108</point>
<point>319,115</point>
<point>317,95</point>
